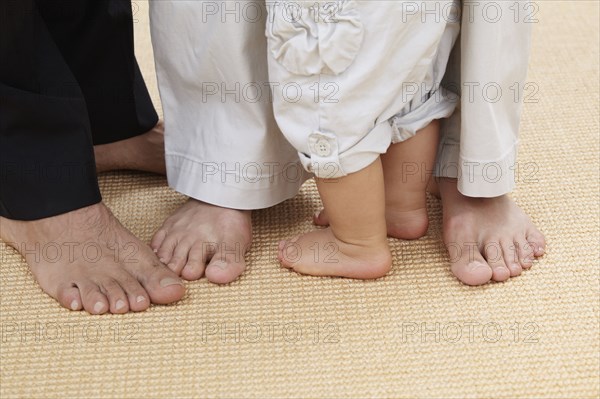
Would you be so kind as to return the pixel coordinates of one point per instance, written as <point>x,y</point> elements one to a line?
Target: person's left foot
<point>145,152</point>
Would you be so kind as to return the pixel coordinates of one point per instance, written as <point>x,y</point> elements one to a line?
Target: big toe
<point>228,263</point>
<point>162,284</point>
<point>475,272</point>
<point>224,271</point>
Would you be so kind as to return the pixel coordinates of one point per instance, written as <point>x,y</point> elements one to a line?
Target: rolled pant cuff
<point>481,179</point>
<point>234,186</point>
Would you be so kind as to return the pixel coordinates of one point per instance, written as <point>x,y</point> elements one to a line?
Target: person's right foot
<point>86,259</point>
<point>202,239</point>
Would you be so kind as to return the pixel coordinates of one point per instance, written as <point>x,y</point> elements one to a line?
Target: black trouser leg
<point>95,38</point>
<point>68,79</point>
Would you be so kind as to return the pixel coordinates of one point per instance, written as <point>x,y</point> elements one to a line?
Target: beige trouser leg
<point>222,143</point>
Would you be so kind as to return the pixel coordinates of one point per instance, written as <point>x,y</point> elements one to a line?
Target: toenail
<point>317,214</point>
<point>120,304</point>
<point>140,299</point>
<point>155,250</point>
<point>165,282</point>
<point>162,260</point>
<point>476,265</point>
<point>98,307</point>
<point>541,250</point>
<point>74,305</point>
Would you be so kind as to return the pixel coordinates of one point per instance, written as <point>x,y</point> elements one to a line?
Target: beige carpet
<point>276,334</point>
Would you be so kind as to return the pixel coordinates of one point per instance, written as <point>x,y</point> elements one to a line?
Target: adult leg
<point>487,235</point>
<point>223,147</point>
<point>124,124</point>
<point>49,195</point>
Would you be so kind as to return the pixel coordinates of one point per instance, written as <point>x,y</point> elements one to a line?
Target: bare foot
<point>145,152</point>
<point>86,259</point>
<point>321,253</point>
<point>487,238</point>
<point>200,239</point>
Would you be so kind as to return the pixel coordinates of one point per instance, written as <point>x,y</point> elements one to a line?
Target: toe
<point>162,284</point>
<point>94,301</point>
<point>494,257</point>
<point>158,239</point>
<point>524,252</point>
<point>468,265</point>
<point>510,253</point>
<point>165,252</point>
<point>196,262</point>
<point>180,257</point>
<point>69,298</point>
<point>225,268</point>
<point>537,241</point>
<point>136,295</point>
<point>117,298</point>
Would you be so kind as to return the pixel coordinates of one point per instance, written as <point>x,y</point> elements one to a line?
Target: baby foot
<point>321,253</point>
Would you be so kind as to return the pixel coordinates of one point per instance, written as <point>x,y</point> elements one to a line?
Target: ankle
<point>407,225</point>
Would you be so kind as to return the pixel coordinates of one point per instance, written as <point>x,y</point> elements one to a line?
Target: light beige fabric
<point>222,143</point>
<point>162,354</point>
<point>338,71</point>
<point>488,68</point>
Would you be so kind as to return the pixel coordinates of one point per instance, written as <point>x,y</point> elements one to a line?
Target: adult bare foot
<point>145,152</point>
<point>487,238</point>
<point>202,239</point>
<point>86,259</point>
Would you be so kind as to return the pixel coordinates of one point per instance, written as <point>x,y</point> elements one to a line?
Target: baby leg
<point>407,167</point>
<point>355,243</point>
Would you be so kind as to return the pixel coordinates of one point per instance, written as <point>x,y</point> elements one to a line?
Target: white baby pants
<point>357,76</point>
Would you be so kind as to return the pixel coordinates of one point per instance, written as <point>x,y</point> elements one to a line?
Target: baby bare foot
<point>321,253</point>
<point>86,259</point>
<point>202,239</point>
<point>145,152</point>
<point>487,238</point>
